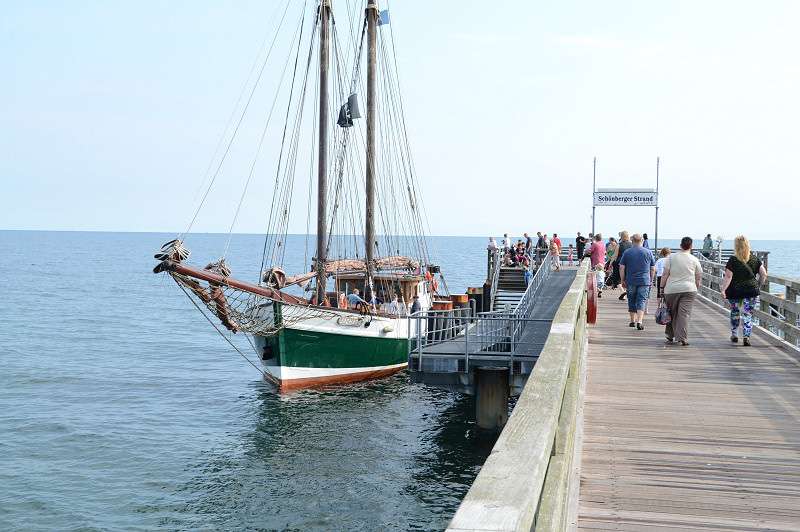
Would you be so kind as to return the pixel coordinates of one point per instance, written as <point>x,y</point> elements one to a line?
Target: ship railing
<point>778,313</point>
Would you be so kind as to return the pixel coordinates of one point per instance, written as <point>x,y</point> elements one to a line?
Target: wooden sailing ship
<point>324,334</point>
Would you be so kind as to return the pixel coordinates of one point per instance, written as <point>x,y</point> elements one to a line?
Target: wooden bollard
<point>491,397</point>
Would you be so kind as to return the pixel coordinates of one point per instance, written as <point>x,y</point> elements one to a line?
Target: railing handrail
<point>482,331</point>
<point>495,277</point>
<point>523,483</point>
<point>528,298</point>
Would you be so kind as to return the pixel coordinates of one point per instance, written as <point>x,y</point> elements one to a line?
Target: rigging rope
<point>216,327</point>
<point>241,118</point>
<point>264,131</point>
<point>270,219</point>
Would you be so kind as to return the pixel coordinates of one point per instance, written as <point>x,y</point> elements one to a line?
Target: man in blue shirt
<point>353,299</point>
<point>636,268</point>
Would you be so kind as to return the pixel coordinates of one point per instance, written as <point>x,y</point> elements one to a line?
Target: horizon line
<point>302,234</point>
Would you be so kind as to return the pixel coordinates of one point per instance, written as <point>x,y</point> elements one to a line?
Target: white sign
<point>626,197</point>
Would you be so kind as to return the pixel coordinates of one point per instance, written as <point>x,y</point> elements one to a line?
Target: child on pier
<point>600,273</point>
<point>569,255</point>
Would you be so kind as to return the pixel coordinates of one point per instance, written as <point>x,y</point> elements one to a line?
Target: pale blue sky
<point>111,111</point>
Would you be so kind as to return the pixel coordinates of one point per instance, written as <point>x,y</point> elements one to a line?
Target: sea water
<point>121,408</point>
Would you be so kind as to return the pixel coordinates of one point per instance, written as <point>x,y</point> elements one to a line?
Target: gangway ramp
<point>454,345</point>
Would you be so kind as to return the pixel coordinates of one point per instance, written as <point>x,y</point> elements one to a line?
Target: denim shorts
<point>637,297</point>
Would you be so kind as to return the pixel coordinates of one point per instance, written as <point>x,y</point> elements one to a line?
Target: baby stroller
<point>612,279</point>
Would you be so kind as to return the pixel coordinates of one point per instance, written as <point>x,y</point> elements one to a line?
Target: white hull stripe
<point>286,373</point>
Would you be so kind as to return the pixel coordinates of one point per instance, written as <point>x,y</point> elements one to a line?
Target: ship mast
<point>369,232</point>
<point>322,170</point>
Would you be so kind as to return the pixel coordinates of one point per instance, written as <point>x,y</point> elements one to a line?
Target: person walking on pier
<point>506,243</point>
<point>611,250</point>
<point>597,252</point>
<point>740,287</point>
<point>597,257</point>
<point>580,245</point>
<point>708,246</point>
<point>636,268</point>
<point>662,260</point>
<point>541,247</point>
<point>557,242</point>
<point>554,256</point>
<point>528,244</point>
<point>680,283</point>
<point>624,245</point>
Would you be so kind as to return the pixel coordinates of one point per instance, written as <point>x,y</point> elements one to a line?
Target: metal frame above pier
<point>625,197</point>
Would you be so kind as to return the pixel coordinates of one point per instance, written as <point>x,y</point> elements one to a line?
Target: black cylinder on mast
<point>322,169</point>
<point>369,231</point>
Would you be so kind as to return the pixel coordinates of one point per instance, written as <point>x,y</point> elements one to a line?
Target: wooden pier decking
<point>703,437</point>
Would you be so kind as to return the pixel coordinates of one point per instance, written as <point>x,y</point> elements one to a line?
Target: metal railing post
<point>419,343</point>
<point>513,350</point>
<point>466,350</point>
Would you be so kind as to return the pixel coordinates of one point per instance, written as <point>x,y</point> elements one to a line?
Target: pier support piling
<point>491,397</point>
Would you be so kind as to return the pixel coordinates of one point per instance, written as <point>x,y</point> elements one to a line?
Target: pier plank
<point>704,437</point>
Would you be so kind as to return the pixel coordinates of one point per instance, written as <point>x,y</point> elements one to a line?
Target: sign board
<point>643,198</point>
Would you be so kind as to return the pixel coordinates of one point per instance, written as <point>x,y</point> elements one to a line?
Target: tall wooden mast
<point>369,232</point>
<point>322,170</point>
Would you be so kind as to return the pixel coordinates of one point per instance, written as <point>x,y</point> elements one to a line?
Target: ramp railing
<point>467,332</point>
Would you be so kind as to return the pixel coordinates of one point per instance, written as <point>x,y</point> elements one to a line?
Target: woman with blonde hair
<point>741,287</point>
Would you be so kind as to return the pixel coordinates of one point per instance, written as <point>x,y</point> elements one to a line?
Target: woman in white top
<point>662,260</point>
<point>680,281</point>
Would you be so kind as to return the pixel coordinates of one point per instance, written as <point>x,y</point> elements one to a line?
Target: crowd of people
<point>525,250</point>
<point>630,264</point>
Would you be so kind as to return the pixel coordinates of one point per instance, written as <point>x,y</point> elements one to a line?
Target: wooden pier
<point>699,437</point>
<point>615,430</point>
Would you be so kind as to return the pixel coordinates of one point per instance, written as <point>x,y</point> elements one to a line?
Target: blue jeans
<point>637,297</point>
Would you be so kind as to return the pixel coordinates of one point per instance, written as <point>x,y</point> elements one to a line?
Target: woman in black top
<point>741,288</point>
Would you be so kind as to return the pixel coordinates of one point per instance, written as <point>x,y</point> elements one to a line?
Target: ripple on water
<point>121,409</point>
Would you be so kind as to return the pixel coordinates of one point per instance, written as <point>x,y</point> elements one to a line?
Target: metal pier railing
<point>452,341</point>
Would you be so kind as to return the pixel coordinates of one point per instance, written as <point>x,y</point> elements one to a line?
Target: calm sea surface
<point>121,408</point>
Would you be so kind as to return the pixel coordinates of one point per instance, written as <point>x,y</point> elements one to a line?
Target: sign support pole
<point>594,189</point>
<point>658,164</point>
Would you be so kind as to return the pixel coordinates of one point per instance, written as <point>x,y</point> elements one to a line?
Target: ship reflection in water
<point>382,455</point>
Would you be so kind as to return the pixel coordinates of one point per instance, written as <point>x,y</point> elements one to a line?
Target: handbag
<point>663,316</point>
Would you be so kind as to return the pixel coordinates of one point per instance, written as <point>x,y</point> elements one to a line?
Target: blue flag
<point>383,17</point>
